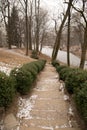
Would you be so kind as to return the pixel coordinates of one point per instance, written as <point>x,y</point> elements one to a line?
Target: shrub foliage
<point>20,80</point>
<point>7,90</point>
<point>25,75</point>
<point>76,83</point>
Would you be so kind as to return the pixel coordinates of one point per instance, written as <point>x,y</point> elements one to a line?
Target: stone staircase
<point>48,108</point>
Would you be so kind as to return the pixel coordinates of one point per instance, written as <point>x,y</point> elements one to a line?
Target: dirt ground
<point>17,56</point>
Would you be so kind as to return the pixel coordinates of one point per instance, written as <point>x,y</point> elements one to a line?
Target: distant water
<point>62,56</point>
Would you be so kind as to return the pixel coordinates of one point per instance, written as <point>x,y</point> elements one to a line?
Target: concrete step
<point>32,128</point>
<point>68,129</point>
<point>37,128</point>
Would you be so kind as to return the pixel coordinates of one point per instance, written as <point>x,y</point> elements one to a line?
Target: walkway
<point>48,108</point>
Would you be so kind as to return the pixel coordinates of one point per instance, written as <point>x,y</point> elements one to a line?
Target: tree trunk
<point>42,39</point>
<point>84,48</point>
<point>58,37</point>
<point>30,27</point>
<point>8,27</point>
<point>26,19</point>
<point>30,37</point>
<point>37,27</point>
<point>68,40</point>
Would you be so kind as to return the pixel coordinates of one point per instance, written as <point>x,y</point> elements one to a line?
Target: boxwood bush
<point>76,83</point>
<point>55,63</point>
<point>81,100</point>
<point>25,75</point>
<point>75,79</point>
<point>7,90</point>
<point>65,72</point>
<point>59,68</point>
<point>34,54</point>
<point>23,79</point>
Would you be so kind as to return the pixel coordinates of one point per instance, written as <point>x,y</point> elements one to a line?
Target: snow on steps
<point>68,129</point>
<point>34,128</point>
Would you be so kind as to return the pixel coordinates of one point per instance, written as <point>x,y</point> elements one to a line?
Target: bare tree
<point>84,45</point>
<point>43,25</point>
<point>68,38</point>
<point>37,26</point>
<point>25,8</point>
<point>26,19</point>
<point>30,26</point>
<point>58,37</point>
<point>5,9</point>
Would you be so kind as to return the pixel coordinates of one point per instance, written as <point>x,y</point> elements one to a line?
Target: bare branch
<point>22,4</point>
<point>55,26</point>
<point>81,12</point>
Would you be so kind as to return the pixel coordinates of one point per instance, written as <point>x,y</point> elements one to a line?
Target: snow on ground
<point>6,68</point>
<point>62,56</point>
<point>25,106</point>
<point>10,59</point>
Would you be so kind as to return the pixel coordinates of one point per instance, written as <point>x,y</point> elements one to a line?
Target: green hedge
<point>59,68</point>
<point>76,83</point>
<point>26,75</point>
<point>7,90</point>
<point>20,80</point>
<point>75,79</point>
<point>81,100</point>
<point>55,63</point>
<point>64,72</point>
<point>34,54</point>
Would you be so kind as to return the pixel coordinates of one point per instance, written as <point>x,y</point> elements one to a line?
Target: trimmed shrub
<point>32,68</point>
<point>59,68</point>
<point>25,75</point>
<point>75,79</point>
<point>7,90</point>
<point>40,64</point>
<point>76,83</point>
<point>24,80</point>
<point>34,54</point>
<point>55,63</point>
<point>64,73</point>
<point>81,100</point>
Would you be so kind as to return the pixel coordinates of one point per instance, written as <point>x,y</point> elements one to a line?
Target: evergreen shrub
<point>59,68</point>
<point>64,73</point>
<point>34,54</point>
<point>26,75</point>
<point>81,100</point>
<point>55,63</point>
<point>7,90</point>
<point>75,79</point>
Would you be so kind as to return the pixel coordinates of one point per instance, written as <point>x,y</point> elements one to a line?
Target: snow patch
<point>25,106</point>
<point>62,126</point>
<point>62,56</point>
<point>45,127</point>
<point>6,68</point>
<point>66,98</point>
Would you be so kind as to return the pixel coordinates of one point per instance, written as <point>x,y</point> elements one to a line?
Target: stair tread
<point>68,129</point>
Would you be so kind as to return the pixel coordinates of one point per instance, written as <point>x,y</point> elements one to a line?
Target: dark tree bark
<point>30,28</point>
<point>84,48</point>
<point>37,27</point>
<point>68,40</point>
<point>8,27</point>
<point>26,19</point>
<point>58,37</point>
<point>30,34</point>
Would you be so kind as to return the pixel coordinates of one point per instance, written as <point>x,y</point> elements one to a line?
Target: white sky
<point>53,6</point>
